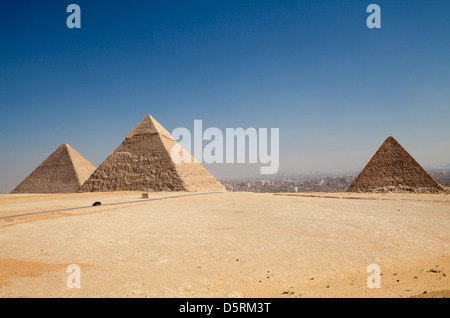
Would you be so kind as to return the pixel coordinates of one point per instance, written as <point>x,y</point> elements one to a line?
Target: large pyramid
<point>143,163</point>
<point>64,171</point>
<point>392,169</point>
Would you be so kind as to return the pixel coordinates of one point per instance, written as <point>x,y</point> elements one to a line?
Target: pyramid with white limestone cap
<point>393,169</point>
<point>64,171</point>
<point>143,162</point>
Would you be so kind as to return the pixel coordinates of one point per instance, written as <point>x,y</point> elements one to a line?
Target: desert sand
<point>225,244</point>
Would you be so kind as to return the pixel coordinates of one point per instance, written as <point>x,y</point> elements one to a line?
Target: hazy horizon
<point>243,171</point>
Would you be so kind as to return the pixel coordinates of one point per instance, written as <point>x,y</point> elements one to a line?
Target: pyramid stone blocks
<point>64,171</point>
<point>143,163</point>
<point>393,169</point>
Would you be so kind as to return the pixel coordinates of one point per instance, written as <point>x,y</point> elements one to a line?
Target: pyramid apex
<point>149,126</point>
<point>65,147</point>
<point>390,141</point>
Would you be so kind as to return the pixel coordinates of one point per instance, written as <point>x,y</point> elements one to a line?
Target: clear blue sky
<point>335,88</point>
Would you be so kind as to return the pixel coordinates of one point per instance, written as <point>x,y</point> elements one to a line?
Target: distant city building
<point>294,184</point>
<point>292,189</point>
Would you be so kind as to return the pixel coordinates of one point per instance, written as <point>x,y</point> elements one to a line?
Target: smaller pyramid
<point>393,169</point>
<point>64,171</point>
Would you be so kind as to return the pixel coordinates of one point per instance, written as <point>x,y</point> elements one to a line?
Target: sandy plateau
<point>225,245</point>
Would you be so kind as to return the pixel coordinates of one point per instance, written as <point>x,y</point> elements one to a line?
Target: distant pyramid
<point>64,171</point>
<point>143,163</point>
<point>392,169</point>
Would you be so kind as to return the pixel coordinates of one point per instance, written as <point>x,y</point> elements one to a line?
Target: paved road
<point>107,204</point>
